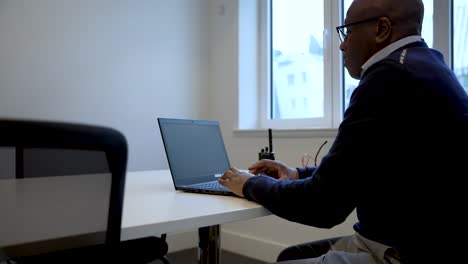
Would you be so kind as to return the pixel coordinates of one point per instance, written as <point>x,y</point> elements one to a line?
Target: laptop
<point>196,154</point>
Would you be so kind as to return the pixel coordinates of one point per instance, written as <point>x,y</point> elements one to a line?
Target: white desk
<point>152,206</point>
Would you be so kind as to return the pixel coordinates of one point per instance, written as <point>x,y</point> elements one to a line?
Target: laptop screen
<point>194,148</point>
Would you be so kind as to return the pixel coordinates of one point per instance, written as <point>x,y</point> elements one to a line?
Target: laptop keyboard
<point>215,186</point>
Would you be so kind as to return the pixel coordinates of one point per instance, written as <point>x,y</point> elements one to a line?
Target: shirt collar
<point>380,55</point>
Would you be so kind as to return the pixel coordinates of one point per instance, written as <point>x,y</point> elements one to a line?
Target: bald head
<point>406,15</point>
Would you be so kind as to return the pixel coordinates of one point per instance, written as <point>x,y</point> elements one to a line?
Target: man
<point>402,143</point>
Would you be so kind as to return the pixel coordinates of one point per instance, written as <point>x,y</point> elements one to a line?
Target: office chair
<point>55,211</point>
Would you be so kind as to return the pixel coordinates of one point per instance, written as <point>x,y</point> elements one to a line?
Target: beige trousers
<point>350,250</point>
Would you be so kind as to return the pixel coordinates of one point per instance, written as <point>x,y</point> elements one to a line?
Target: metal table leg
<point>209,245</point>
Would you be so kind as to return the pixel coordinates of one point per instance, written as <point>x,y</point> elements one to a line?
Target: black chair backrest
<point>46,201</point>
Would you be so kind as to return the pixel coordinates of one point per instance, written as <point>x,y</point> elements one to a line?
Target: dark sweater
<point>402,143</point>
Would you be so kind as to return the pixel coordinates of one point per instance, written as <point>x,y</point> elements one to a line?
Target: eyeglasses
<point>343,30</point>
<point>306,157</point>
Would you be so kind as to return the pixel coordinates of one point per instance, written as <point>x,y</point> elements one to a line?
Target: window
<point>297,61</point>
<point>305,84</point>
<point>460,41</point>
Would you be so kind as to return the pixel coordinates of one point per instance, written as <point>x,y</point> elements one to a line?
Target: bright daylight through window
<point>297,59</point>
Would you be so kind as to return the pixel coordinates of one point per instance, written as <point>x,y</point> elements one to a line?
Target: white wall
<point>119,63</point>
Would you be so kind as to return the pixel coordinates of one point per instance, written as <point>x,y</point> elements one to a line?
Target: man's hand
<point>235,180</point>
<point>275,169</point>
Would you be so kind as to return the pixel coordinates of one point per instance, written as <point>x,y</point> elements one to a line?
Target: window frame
<point>330,58</point>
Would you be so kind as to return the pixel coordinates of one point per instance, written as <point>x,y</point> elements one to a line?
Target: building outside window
<point>298,51</point>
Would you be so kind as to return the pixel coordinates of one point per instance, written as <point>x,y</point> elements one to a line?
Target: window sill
<point>288,133</point>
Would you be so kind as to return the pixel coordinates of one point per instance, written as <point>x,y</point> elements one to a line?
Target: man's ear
<point>383,30</point>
